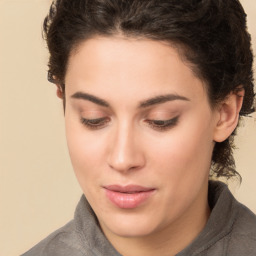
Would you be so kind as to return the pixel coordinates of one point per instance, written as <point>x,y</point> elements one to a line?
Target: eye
<point>162,125</point>
<point>95,124</point>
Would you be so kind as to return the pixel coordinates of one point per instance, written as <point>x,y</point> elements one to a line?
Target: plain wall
<point>38,191</point>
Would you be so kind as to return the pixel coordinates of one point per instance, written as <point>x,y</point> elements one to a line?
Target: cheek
<point>182,162</point>
<point>185,154</point>
<point>86,152</point>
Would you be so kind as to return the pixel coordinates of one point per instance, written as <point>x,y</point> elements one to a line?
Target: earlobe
<point>228,115</point>
<point>59,91</point>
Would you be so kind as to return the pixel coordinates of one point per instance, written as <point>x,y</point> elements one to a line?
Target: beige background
<point>38,191</point>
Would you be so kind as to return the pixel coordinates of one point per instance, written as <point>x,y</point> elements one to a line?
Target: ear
<point>228,115</point>
<point>59,91</point>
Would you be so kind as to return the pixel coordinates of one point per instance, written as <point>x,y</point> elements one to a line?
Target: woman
<point>153,92</point>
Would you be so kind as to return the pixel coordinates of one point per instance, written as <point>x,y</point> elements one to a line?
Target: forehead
<point>130,65</point>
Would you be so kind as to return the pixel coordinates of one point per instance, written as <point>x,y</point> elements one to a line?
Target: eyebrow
<point>144,104</point>
<point>89,97</point>
<point>161,99</point>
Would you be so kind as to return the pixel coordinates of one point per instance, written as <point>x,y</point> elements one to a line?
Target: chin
<point>132,231</point>
<point>130,226</point>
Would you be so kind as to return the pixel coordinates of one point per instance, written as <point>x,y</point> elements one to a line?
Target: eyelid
<point>162,124</point>
<point>96,123</point>
<point>156,124</point>
<point>162,114</point>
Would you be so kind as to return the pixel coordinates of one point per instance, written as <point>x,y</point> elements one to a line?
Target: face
<point>140,134</point>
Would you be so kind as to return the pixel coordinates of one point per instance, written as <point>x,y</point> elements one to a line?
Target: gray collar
<point>223,215</point>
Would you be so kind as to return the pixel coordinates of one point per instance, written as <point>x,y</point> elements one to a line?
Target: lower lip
<point>126,200</point>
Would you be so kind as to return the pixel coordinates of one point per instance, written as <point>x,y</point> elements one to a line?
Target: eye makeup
<point>159,118</point>
<point>162,125</point>
<point>159,125</point>
<point>95,124</point>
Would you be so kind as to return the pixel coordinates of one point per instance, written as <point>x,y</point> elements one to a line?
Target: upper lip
<point>128,188</point>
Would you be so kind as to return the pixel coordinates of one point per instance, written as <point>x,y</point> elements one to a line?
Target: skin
<point>126,148</point>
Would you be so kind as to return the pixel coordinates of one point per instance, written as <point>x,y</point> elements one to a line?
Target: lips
<point>128,197</point>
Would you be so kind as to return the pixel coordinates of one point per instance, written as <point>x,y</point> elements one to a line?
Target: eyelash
<point>160,125</point>
<point>95,124</point>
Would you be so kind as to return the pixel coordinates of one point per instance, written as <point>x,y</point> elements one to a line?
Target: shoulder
<point>63,242</point>
<point>80,237</point>
<point>242,238</point>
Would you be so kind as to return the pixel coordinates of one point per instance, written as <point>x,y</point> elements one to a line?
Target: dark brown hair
<point>211,33</point>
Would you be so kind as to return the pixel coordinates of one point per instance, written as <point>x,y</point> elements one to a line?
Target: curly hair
<point>211,34</point>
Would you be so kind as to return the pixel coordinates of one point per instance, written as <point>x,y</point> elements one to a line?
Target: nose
<point>125,153</point>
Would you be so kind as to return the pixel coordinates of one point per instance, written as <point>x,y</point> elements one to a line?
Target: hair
<point>211,34</point>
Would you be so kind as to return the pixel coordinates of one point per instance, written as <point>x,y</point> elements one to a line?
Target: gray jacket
<point>230,230</point>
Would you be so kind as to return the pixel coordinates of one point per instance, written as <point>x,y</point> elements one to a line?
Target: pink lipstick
<point>128,197</point>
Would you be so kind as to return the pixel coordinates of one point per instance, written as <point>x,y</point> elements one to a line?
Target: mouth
<point>128,197</point>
